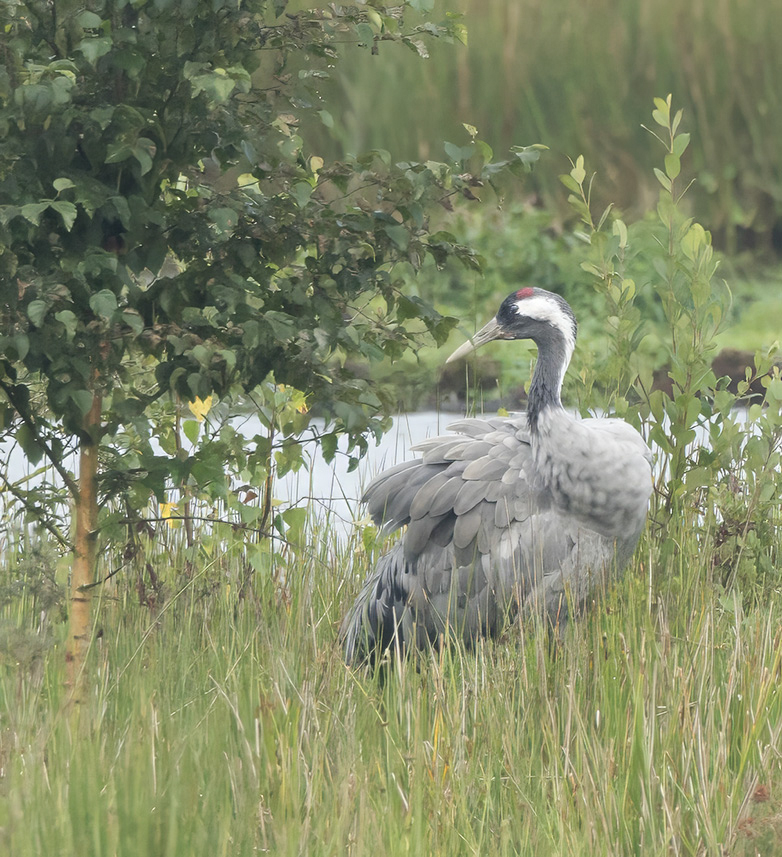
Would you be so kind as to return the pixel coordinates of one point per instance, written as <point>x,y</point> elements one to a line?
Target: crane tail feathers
<point>381,617</point>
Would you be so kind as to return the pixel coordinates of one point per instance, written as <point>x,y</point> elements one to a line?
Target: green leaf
<point>133,320</point>
<point>529,155</point>
<point>83,400</point>
<point>21,343</point>
<point>131,61</point>
<point>33,211</point>
<point>663,179</point>
<point>88,20</point>
<point>660,118</point>
<point>144,152</point>
<point>774,389</point>
<point>365,33</point>
<point>399,235</point>
<point>69,321</point>
<point>454,152</point>
<point>104,304</point>
<point>121,207</point>
<point>216,85</point>
<point>66,210</point>
<point>694,239</point>
<point>295,519</point>
<point>301,192</point>
<point>578,173</point>
<point>94,47</point>
<point>672,166</point>
<point>282,325</point>
<point>604,216</point>
<point>680,143</point>
<point>191,428</point>
<point>118,152</point>
<point>225,219</point>
<point>62,184</point>
<point>328,446</point>
<point>30,447</point>
<point>210,471</point>
<point>620,230</point>
<point>8,213</point>
<point>36,312</point>
<point>250,514</point>
<point>570,184</point>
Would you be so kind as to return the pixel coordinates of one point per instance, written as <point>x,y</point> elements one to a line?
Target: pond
<point>331,488</point>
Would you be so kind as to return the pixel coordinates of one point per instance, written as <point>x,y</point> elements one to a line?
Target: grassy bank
<point>226,723</point>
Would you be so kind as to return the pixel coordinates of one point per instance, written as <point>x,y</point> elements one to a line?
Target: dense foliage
<point>166,232</point>
<point>167,236</point>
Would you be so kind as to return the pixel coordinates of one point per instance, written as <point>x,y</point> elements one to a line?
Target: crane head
<point>529,313</point>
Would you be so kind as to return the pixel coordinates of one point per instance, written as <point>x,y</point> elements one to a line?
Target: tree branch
<point>33,510</point>
<point>27,419</point>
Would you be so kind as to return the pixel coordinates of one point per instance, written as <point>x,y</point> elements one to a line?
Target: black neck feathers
<point>544,391</point>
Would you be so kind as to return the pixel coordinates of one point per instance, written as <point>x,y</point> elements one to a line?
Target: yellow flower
<point>200,408</point>
<point>166,511</point>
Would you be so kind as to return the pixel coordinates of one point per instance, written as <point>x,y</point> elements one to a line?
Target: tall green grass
<point>221,724</point>
<point>579,77</point>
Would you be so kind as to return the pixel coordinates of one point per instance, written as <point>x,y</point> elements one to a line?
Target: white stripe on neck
<point>545,309</point>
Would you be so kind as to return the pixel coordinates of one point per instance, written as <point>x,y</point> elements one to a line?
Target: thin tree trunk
<point>186,507</point>
<point>83,572</point>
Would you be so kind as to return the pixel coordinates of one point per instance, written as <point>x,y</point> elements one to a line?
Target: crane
<point>506,513</point>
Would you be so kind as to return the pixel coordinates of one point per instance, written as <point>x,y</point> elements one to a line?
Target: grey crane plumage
<point>506,513</point>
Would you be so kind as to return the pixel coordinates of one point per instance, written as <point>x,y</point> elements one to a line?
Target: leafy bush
<point>719,470</point>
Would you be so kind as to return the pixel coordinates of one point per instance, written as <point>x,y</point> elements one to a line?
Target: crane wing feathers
<point>438,530</point>
<point>422,502</point>
<point>470,494</point>
<point>390,494</point>
<point>443,501</point>
<point>486,468</point>
<point>459,501</point>
<point>453,474</point>
<point>465,530</point>
<point>483,535</point>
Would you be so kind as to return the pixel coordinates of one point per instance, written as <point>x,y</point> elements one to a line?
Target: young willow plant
<point>716,470</point>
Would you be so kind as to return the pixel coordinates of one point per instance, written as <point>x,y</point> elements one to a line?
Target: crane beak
<point>491,331</point>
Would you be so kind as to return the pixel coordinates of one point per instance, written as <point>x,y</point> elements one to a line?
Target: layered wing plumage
<point>483,536</point>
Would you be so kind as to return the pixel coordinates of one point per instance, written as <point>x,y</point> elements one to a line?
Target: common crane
<point>507,513</point>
